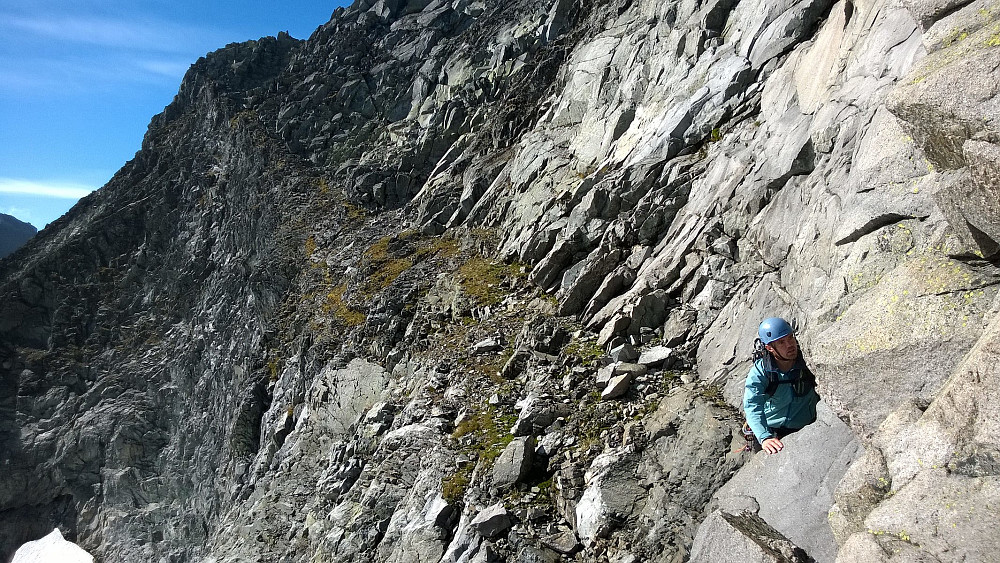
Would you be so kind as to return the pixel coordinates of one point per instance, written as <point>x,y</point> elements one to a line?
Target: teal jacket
<point>785,408</point>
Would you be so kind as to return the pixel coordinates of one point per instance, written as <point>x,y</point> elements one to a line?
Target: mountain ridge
<point>14,233</point>
<point>358,297</point>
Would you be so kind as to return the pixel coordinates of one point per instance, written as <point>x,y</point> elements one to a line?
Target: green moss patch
<point>453,487</point>
<point>335,306</point>
<point>587,350</point>
<point>390,256</point>
<point>481,279</point>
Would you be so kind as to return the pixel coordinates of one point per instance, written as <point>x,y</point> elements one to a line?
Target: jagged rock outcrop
<point>357,297</point>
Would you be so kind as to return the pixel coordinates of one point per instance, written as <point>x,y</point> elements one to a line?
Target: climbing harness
<point>752,444</point>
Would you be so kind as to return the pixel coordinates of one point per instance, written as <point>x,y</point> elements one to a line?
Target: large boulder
<point>922,315</point>
<point>942,465</point>
<point>743,537</point>
<point>793,489</point>
<point>514,462</point>
<point>940,116</point>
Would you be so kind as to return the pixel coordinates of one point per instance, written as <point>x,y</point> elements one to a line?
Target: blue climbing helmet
<point>773,328</point>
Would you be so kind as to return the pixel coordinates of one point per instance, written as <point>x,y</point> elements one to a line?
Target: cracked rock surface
<point>456,281</point>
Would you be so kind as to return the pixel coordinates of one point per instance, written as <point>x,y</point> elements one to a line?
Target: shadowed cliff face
<point>451,281</point>
<point>13,234</point>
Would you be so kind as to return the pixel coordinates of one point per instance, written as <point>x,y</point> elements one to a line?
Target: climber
<point>780,392</point>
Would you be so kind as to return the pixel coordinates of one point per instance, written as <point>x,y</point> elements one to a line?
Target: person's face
<point>785,347</point>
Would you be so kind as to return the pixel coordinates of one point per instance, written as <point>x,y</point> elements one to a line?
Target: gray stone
<point>649,311</point>
<point>617,387</point>
<point>564,542</point>
<point>581,282</point>
<point>486,554</point>
<point>491,521</point>
<point>612,328</point>
<point>514,462</point>
<point>941,117</point>
<point>901,322</point>
<point>864,485</point>
<point>799,511</point>
<point>864,547</point>
<point>605,374</point>
<point>633,370</point>
<point>927,12</point>
<point>969,202</point>
<point>622,556</point>
<point>655,356</point>
<point>606,499</point>
<point>485,346</point>
<point>532,554</point>
<point>515,365</point>
<point>537,413</point>
<point>934,456</point>
<point>540,335</point>
<point>549,444</point>
<point>624,353</point>
<point>743,537</point>
<point>678,325</point>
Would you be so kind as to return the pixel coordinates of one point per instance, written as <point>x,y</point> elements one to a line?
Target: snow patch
<point>50,549</point>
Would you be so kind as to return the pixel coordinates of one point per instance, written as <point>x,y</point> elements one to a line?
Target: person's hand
<point>772,445</point>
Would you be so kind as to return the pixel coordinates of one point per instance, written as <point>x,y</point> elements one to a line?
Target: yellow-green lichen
<point>335,306</point>
<point>486,434</point>
<point>273,371</point>
<point>384,265</point>
<point>354,212</point>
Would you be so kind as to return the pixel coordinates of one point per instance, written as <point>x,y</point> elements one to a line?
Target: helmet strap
<point>777,355</point>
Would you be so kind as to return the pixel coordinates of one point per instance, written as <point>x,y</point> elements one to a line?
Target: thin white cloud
<point>172,69</point>
<point>31,76</point>
<point>61,190</point>
<point>80,53</point>
<point>21,213</point>
<point>152,35</point>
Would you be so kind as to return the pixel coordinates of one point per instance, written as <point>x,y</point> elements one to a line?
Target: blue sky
<point>80,80</point>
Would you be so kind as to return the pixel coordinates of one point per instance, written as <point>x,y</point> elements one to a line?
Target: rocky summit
<point>464,281</point>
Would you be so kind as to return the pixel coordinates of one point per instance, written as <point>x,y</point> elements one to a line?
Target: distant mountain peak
<point>13,234</point>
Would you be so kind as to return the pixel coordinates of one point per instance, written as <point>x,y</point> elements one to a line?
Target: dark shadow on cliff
<point>30,523</point>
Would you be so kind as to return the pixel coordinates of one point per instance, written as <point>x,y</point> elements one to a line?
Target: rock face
<point>793,492</point>
<point>348,283</point>
<point>13,234</point>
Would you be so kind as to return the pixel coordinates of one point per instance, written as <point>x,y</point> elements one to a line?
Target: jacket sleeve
<point>753,403</point>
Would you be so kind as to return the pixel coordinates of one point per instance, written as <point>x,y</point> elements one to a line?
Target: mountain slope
<point>354,298</point>
<point>13,234</point>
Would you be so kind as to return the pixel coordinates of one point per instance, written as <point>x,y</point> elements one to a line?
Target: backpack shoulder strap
<point>765,363</point>
<point>767,367</point>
